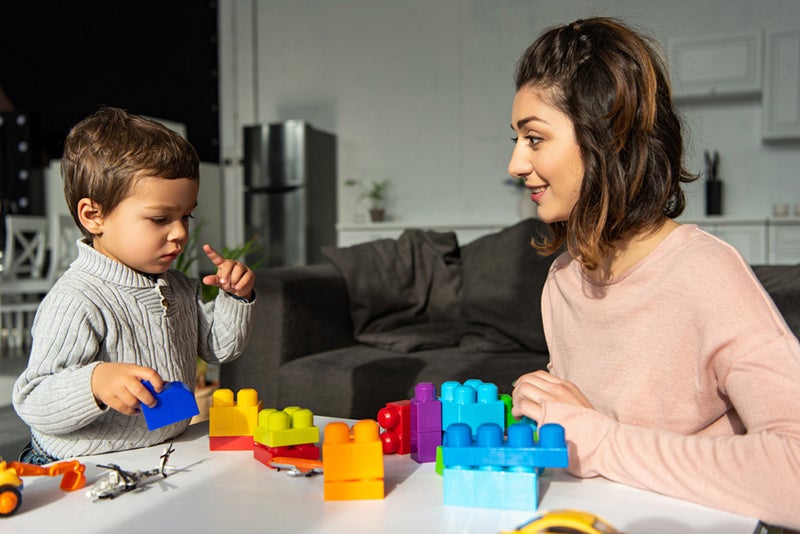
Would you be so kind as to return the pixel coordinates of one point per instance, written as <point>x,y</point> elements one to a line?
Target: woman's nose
<point>518,165</point>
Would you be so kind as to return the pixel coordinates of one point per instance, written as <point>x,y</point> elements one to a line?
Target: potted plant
<point>204,388</point>
<point>375,194</point>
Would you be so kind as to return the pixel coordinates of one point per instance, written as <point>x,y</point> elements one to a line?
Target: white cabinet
<point>784,241</point>
<point>759,241</point>
<point>710,66</point>
<point>748,237</point>
<point>781,106</point>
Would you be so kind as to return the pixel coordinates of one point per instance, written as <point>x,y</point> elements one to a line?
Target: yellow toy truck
<point>11,483</point>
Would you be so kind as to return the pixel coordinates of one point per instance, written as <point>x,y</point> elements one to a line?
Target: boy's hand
<point>232,276</point>
<point>119,386</point>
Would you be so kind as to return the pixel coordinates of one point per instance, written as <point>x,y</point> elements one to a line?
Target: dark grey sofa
<point>420,308</point>
<point>346,337</point>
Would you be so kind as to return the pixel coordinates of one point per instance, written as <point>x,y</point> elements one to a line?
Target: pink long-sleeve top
<point>693,374</point>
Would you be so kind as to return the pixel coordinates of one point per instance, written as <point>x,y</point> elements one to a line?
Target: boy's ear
<point>90,215</point>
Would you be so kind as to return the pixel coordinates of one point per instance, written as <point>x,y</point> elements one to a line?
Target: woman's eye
<point>187,217</point>
<point>532,140</point>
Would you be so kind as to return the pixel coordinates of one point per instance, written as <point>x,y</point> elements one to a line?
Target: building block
<point>229,418</point>
<point>352,465</point>
<point>264,454</point>
<point>175,403</point>
<point>395,419</point>
<point>474,402</point>
<point>230,443</point>
<point>504,490</point>
<point>291,426</point>
<point>491,472</point>
<point>508,403</point>
<point>425,422</point>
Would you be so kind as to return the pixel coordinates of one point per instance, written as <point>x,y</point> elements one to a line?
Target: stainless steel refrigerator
<point>290,191</point>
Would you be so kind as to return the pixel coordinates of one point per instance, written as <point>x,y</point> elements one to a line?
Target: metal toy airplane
<point>296,466</point>
<point>119,481</point>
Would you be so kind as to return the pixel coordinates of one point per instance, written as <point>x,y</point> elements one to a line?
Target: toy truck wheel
<point>10,499</point>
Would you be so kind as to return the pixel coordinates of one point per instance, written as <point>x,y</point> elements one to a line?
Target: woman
<point>671,368</point>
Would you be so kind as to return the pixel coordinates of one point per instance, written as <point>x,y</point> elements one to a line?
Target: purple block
<point>423,446</point>
<point>425,417</point>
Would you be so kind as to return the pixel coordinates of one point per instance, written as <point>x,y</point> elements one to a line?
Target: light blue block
<point>474,402</point>
<point>503,490</point>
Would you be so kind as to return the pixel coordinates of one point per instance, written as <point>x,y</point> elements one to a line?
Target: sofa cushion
<point>502,281</point>
<point>782,282</point>
<point>355,382</point>
<point>404,293</point>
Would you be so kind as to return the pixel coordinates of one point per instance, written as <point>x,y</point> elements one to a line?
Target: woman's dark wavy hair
<point>612,84</point>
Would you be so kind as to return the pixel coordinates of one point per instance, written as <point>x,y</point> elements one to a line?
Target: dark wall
<point>61,60</point>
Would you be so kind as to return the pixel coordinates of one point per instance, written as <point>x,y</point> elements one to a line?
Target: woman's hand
<point>533,389</point>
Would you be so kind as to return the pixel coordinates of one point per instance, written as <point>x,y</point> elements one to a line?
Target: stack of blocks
<point>474,403</point>
<point>395,420</point>
<point>288,433</point>
<point>231,424</point>
<point>425,416</point>
<point>352,465</point>
<point>488,472</point>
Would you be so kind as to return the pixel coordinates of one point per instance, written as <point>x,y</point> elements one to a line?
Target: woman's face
<point>546,154</point>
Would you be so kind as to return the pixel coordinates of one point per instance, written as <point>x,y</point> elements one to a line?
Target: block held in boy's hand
<point>175,403</point>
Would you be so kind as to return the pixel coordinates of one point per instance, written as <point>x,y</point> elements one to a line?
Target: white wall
<point>419,93</point>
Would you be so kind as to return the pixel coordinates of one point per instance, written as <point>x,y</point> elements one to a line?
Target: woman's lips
<point>537,193</point>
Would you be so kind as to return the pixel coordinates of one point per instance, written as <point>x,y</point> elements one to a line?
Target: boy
<point>120,315</point>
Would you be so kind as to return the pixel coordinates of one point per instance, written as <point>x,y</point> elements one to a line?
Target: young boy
<point>120,315</point>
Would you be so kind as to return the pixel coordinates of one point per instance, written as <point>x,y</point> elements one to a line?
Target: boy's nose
<point>178,232</point>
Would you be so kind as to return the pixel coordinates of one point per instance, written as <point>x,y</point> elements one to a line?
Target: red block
<point>395,419</point>
<point>230,443</point>
<point>264,454</point>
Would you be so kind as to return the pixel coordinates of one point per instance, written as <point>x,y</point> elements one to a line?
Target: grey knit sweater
<point>102,311</point>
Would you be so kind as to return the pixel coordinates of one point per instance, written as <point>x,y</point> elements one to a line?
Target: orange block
<point>353,464</point>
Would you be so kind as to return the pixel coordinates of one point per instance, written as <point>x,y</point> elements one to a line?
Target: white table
<point>231,492</point>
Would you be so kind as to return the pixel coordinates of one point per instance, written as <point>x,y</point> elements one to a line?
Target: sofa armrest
<point>299,311</point>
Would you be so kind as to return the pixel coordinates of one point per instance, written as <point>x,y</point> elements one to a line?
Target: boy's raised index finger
<point>215,257</point>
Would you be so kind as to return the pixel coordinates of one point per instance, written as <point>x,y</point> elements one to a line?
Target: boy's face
<point>150,227</point>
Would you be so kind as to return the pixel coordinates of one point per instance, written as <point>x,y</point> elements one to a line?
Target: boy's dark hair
<point>613,85</point>
<point>108,151</point>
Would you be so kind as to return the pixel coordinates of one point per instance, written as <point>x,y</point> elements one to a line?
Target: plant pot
<point>377,214</point>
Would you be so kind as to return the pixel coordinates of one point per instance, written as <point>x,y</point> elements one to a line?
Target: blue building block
<point>474,402</point>
<point>175,403</point>
<point>493,472</point>
<point>504,490</point>
<point>489,450</point>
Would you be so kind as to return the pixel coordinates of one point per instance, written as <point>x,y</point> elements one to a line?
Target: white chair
<point>23,281</point>
<point>62,247</point>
